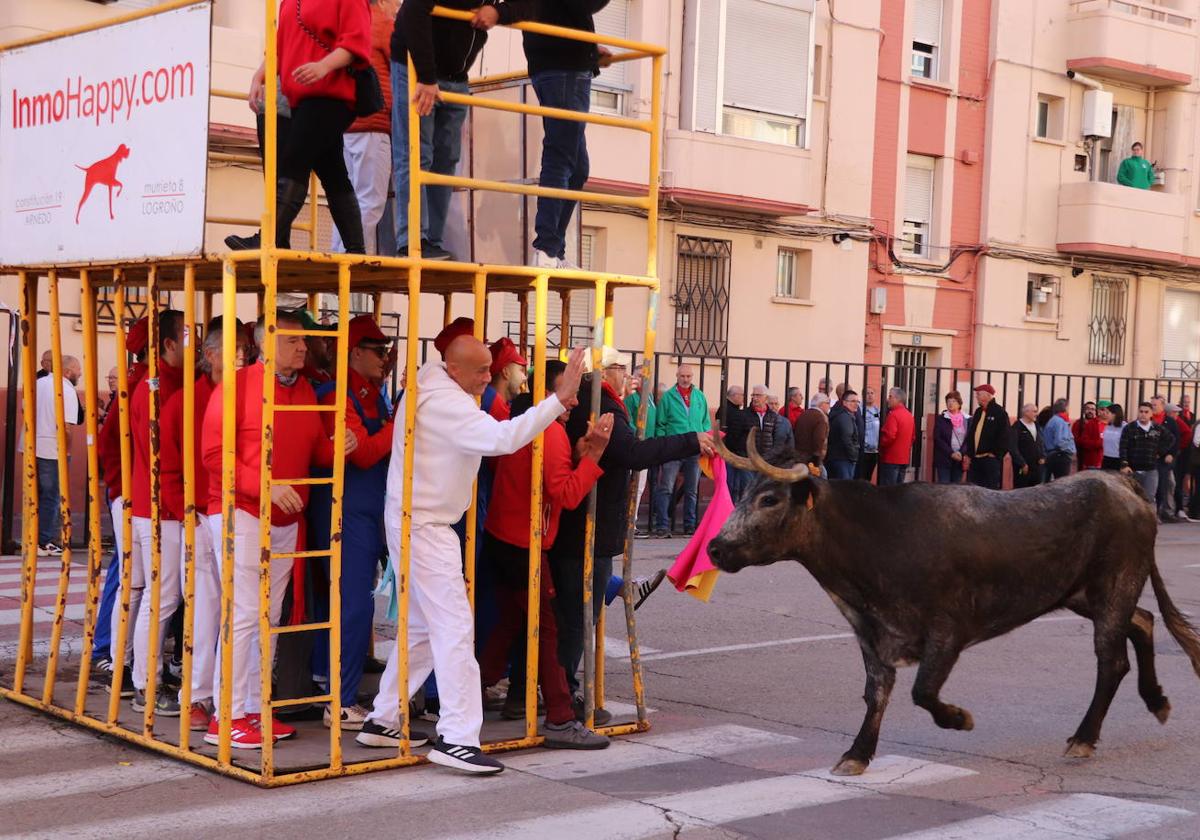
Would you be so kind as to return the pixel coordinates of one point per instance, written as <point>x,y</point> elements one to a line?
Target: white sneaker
<point>541,259</point>
<point>353,717</point>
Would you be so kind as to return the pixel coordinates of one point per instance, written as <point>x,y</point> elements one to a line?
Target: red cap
<point>458,327</point>
<point>505,353</point>
<point>986,387</point>
<point>363,328</point>
<point>138,337</point>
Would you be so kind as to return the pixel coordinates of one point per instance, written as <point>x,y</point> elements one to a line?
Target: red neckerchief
<point>1158,418</point>
<point>612,392</point>
<point>1065,418</point>
<point>685,395</point>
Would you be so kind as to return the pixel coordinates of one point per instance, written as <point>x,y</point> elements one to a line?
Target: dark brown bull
<point>923,571</point>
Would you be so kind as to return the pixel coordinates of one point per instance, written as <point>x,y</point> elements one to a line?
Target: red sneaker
<point>279,730</point>
<point>243,735</point>
<point>200,718</point>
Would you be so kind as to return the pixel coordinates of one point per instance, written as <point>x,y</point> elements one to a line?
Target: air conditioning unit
<point>1041,295</point>
<point>878,300</point>
<point>1097,113</point>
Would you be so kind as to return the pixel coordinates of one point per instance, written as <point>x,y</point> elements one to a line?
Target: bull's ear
<point>803,491</point>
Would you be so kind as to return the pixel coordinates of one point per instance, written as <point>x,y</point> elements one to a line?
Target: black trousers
<point>567,570</point>
<point>314,144</point>
<point>1032,478</point>
<point>1058,465</point>
<point>986,472</point>
<point>865,470</point>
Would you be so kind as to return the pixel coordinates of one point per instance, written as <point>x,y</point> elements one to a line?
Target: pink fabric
<point>693,571</point>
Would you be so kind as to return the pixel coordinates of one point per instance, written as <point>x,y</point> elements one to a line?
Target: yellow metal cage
<point>54,683</point>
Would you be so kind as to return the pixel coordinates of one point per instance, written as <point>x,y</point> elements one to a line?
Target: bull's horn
<point>738,461</point>
<point>799,472</point>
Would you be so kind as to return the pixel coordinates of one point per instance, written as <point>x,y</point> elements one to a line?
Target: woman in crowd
<point>949,434</point>
<point>1115,417</point>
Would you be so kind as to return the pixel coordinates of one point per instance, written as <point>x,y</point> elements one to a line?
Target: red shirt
<point>300,439</point>
<point>337,23</point>
<point>382,24</point>
<point>1185,433</point>
<point>564,487</point>
<point>793,412</point>
<point>109,446</point>
<point>686,395</point>
<point>371,448</point>
<point>208,490</point>
<point>896,436</point>
<point>170,380</point>
<point>1089,441</point>
<point>499,409</point>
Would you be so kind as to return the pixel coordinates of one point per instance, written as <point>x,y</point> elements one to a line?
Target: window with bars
<point>1106,327</point>
<point>135,303</point>
<point>701,296</point>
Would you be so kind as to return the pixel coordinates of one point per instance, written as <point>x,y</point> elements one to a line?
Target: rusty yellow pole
<point>523,333</point>
<point>447,309</point>
<point>564,331</point>
<point>536,491</point>
<point>29,528</point>
<point>64,489</point>
<point>125,620</point>
<point>589,539</point>
<point>608,321</point>
<point>208,308</point>
<point>335,530</point>
<point>154,579</point>
<point>270,305</point>
<point>312,212</point>
<point>479,287</point>
<point>377,305</point>
<point>91,371</point>
<point>188,450</point>
<point>229,340</point>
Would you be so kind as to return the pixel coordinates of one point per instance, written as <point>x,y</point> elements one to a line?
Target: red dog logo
<point>102,172</point>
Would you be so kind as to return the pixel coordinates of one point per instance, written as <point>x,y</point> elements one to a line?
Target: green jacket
<point>675,418</point>
<point>633,403</point>
<point>1136,172</point>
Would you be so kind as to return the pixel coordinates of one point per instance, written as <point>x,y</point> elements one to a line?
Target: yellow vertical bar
<point>271,132</point>
<point>599,657</point>
<point>64,489</point>
<point>312,212</point>
<point>335,529</point>
<point>479,286</point>
<point>208,308</point>
<point>188,447</point>
<point>154,579</point>
<point>564,330</point>
<point>270,266</point>
<point>589,540</point>
<point>446,310</point>
<point>91,370</point>
<point>536,492</point>
<point>608,321</point>
<point>378,306</point>
<point>118,645</point>
<point>656,118</point>
<point>229,339</point>
<point>314,304</point>
<point>523,332</point>
<point>29,527</point>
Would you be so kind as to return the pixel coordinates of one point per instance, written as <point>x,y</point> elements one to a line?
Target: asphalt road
<point>756,695</point>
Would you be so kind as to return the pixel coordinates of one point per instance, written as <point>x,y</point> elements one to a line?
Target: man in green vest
<point>682,409</point>
<point>1136,171</point>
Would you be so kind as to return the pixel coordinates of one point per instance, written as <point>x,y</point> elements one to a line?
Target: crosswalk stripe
<point>109,778</point>
<point>73,612</point>
<point>723,803</point>
<point>615,648</point>
<point>1064,818</point>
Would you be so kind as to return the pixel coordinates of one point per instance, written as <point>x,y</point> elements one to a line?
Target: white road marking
<point>625,709</point>
<point>619,648</point>
<point>110,779</point>
<point>1065,818</point>
<point>73,612</point>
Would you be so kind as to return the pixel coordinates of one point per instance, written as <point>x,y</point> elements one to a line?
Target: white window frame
<point>601,87</point>
<point>933,47</point>
<point>694,9</point>
<point>1035,286</point>
<point>911,229</point>
<point>788,278</point>
<point>1054,108</point>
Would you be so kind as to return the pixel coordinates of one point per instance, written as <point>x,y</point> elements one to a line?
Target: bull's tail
<point>1178,625</point>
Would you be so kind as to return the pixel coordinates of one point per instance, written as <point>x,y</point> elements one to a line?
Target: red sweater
<point>371,448</point>
<point>171,453</point>
<point>109,446</point>
<point>338,23</point>
<point>170,379</point>
<point>300,439</point>
<point>563,487</point>
<point>1089,442</point>
<point>896,436</point>
<point>381,56</point>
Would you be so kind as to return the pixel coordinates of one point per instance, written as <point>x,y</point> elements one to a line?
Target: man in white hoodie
<point>452,436</point>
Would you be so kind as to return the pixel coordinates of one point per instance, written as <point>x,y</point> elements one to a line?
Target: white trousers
<point>117,508</point>
<point>441,635</point>
<point>169,597</point>
<point>247,671</point>
<point>206,611</point>
<point>369,163</point>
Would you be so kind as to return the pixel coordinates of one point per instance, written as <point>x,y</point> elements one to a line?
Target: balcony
<point>1099,218</point>
<point>1142,42</point>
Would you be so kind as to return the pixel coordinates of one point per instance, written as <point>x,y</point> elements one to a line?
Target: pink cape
<point>693,572</point>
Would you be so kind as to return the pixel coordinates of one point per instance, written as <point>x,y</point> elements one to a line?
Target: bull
<point>964,565</point>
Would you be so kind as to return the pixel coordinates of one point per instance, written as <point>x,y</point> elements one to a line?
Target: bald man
<point>452,436</point>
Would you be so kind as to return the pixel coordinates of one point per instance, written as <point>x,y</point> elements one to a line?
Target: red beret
<point>138,337</point>
<point>457,328</point>
<point>363,328</point>
<point>986,387</point>
<point>504,353</point>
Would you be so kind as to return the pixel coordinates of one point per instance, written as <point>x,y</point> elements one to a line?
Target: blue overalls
<point>363,545</point>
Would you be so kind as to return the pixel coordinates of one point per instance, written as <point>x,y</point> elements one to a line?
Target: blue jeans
<point>49,522</point>
<point>112,585</point>
<point>564,154</point>
<point>441,147</point>
<point>949,475</point>
<point>840,469</point>
<point>665,488</point>
<point>890,474</point>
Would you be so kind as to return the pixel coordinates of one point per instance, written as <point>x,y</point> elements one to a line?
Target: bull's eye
<point>768,501</point>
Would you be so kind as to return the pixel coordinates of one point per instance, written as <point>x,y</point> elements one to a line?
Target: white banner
<point>104,142</point>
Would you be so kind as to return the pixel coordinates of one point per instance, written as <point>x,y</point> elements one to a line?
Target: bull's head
<point>765,526</point>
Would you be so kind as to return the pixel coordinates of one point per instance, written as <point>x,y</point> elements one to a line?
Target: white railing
<point>1146,9</point>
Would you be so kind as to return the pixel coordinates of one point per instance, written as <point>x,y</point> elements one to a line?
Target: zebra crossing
<point>45,599</point>
<point>594,796</point>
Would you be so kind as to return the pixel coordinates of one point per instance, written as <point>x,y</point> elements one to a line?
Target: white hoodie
<point>451,438</point>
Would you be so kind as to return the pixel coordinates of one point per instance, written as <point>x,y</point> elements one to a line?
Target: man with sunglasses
<point>369,419</point>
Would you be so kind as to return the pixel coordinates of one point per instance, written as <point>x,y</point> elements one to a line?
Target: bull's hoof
<point>1163,710</point>
<point>849,767</point>
<point>1078,749</point>
<point>953,717</point>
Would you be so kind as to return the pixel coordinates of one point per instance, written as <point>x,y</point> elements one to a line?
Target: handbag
<point>368,95</point>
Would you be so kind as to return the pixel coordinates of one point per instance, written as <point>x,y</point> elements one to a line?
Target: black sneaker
<point>243,243</point>
<point>374,666</point>
<point>127,687</point>
<point>643,587</point>
<point>467,759</point>
<point>661,534</point>
<point>374,734</point>
<point>514,705</point>
<point>429,251</point>
<point>169,681</point>
<point>102,670</point>
<point>165,706</point>
<point>600,715</point>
